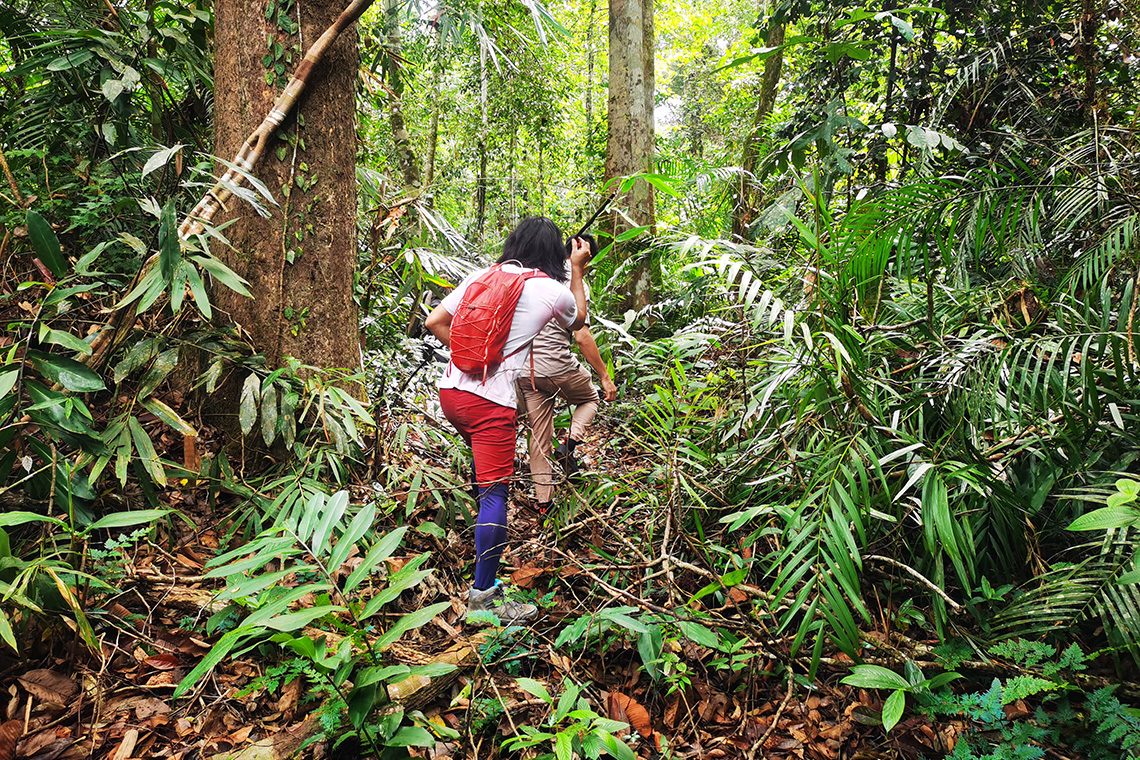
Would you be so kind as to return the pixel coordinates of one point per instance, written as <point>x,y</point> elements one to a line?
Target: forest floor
<point>255,706</point>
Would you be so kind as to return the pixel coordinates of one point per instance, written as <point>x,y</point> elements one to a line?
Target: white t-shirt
<point>542,300</point>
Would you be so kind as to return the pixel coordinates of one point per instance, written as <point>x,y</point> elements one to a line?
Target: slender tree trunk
<point>629,146</point>
<point>588,142</point>
<point>743,213</point>
<point>300,259</point>
<point>405,154</point>
<point>892,72</point>
<point>1090,25</point>
<point>433,129</point>
<point>512,209</point>
<point>481,182</point>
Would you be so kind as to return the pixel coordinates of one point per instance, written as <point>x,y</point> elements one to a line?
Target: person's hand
<point>580,254</point>
<point>609,389</point>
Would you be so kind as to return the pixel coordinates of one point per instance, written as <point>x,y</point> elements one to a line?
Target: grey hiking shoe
<point>494,600</point>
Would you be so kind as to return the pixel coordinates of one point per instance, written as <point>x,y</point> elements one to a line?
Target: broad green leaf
<point>355,531</point>
<point>159,159</point>
<point>893,709</point>
<point>163,365</point>
<point>6,632</point>
<point>20,518</point>
<point>1106,518</point>
<point>617,748</point>
<point>169,246</point>
<point>247,410</point>
<point>535,689</point>
<point>372,675</point>
<point>411,736</point>
<point>147,455</point>
<point>379,552</point>
<point>127,519</point>
<point>269,414</point>
<point>217,653</point>
<point>398,583</point>
<point>198,291</point>
<point>169,416</point>
<point>65,339</point>
<point>67,372</point>
<point>875,677</point>
<point>409,622</point>
<point>72,60</point>
<point>334,510</point>
<point>628,623</point>
<point>138,355</point>
<point>661,183</point>
<point>699,634</point>
<point>563,746</point>
<point>649,646</point>
<point>295,621</point>
<point>360,703</point>
<point>46,244</point>
<point>223,274</point>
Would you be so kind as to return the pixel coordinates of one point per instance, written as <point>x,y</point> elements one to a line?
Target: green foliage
<point>297,557</point>
<point>572,728</point>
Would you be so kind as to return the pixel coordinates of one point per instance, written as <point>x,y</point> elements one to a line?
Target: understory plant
<point>283,588</point>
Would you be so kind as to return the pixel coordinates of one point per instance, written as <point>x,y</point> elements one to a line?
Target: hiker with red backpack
<point>489,321</point>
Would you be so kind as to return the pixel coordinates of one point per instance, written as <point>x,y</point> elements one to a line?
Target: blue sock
<point>490,533</point>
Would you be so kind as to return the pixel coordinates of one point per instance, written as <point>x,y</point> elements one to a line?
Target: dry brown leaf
<point>10,733</point>
<point>627,710</point>
<point>162,661</point>
<point>147,707</point>
<point>47,744</point>
<point>126,747</point>
<point>49,686</point>
<point>241,736</point>
<point>671,710</point>
<point>525,577</point>
<point>290,694</point>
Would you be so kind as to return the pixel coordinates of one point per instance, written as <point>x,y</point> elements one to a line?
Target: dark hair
<point>537,243</point>
<point>589,239</point>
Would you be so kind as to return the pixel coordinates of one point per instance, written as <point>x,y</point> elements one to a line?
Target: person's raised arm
<point>593,357</point>
<point>579,258</point>
<point>439,322</point>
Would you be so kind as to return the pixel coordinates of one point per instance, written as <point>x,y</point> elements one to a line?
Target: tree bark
<point>629,146</point>
<point>744,212</point>
<point>300,259</point>
<point>433,128</point>
<point>402,139</point>
<point>588,142</point>
<point>481,181</point>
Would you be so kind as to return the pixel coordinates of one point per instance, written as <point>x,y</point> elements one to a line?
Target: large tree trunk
<point>629,147</point>
<point>745,208</point>
<point>300,259</point>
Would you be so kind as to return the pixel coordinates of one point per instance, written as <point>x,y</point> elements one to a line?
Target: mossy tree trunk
<point>300,259</point>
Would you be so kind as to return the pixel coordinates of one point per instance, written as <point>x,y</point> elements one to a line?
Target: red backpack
<point>481,326</point>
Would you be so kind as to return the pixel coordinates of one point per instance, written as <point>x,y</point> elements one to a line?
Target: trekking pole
<point>585,227</point>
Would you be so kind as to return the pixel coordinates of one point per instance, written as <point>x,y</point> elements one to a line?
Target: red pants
<point>488,428</point>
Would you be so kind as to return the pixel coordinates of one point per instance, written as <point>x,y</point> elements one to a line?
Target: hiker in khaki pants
<point>557,374</point>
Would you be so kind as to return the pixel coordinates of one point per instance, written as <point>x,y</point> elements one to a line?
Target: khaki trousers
<point>578,389</point>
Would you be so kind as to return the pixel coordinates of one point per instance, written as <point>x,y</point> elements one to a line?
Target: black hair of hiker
<point>537,243</point>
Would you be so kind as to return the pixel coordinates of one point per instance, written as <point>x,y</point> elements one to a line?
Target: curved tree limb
<point>244,163</point>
